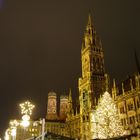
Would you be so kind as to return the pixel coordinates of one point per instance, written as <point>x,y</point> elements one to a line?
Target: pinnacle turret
<point>70,96</point>
<point>89,27</point>
<point>89,20</point>
<point>70,108</point>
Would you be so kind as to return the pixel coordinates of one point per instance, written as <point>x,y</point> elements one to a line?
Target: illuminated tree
<point>108,122</point>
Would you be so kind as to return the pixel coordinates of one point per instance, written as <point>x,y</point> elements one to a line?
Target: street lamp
<point>42,122</point>
<point>13,133</point>
<point>25,121</point>
<point>7,137</point>
<point>26,111</point>
<point>13,128</point>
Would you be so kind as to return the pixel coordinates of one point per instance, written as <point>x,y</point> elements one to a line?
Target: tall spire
<point>114,90</point>
<point>89,19</point>
<point>89,27</point>
<point>70,96</point>
<point>114,83</point>
<point>70,108</point>
<point>88,37</point>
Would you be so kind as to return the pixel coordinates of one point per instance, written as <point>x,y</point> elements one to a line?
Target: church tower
<point>92,82</point>
<point>63,107</point>
<point>52,106</point>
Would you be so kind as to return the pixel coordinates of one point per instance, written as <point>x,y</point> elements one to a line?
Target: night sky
<point>40,46</point>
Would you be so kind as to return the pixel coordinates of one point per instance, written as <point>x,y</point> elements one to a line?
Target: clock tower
<point>92,81</point>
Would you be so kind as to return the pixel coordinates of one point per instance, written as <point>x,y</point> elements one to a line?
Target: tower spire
<point>89,33</point>
<point>70,108</point>
<point>89,19</point>
<point>70,96</point>
<point>89,27</point>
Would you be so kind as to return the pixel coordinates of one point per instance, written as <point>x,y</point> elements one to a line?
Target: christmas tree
<point>108,122</point>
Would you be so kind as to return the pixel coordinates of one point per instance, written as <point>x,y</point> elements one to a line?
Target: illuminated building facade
<point>75,122</point>
<point>92,84</point>
<point>127,97</point>
<point>22,133</point>
<point>55,119</point>
<point>63,107</point>
<point>52,106</point>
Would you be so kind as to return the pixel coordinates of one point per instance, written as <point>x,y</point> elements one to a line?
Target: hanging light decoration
<point>26,110</point>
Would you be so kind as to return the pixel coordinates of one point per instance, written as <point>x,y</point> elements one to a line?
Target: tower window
<point>131,120</point>
<point>94,44</point>
<point>87,118</point>
<point>138,117</point>
<point>84,95</point>
<point>130,107</point>
<point>122,110</point>
<point>83,118</point>
<point>138,104</point>
<point>122,121</point>
<point>89,31</point>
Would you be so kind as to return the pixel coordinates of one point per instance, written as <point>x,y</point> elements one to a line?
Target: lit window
<point>122,110</point>
<point>138,104</point>
<point>130,107</point>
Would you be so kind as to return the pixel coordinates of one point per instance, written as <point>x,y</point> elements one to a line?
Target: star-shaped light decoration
<point>26,108</point>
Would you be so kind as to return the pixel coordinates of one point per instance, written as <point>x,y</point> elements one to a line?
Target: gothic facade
<point>92,84</point>
<point>127,98</point>
<point>66,121</point>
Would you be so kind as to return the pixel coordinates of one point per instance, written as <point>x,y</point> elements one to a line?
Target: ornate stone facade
<point>52,106</point>
<point>127,97</point>
<point>92,84</point>
<point>75,122</point>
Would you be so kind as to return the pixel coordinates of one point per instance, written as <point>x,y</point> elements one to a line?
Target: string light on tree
<point>108,122</point>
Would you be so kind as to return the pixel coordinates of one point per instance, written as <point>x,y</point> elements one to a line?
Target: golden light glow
<point>107,118</point>
<point>26,117</point>
<point>6,137</point>
<point>26,108</point>
<point>25,120</point>
<point>14,123</point>
<point>25,123</point>
<point>13,132</point>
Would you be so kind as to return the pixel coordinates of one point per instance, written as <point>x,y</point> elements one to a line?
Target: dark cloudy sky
<point>40,43</point>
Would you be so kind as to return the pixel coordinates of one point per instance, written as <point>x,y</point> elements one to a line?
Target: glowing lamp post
<point>26,111</point>
<point>13,128</point>
<point>13,133</point>
<point>25,121</point>
<point>7,137</point>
